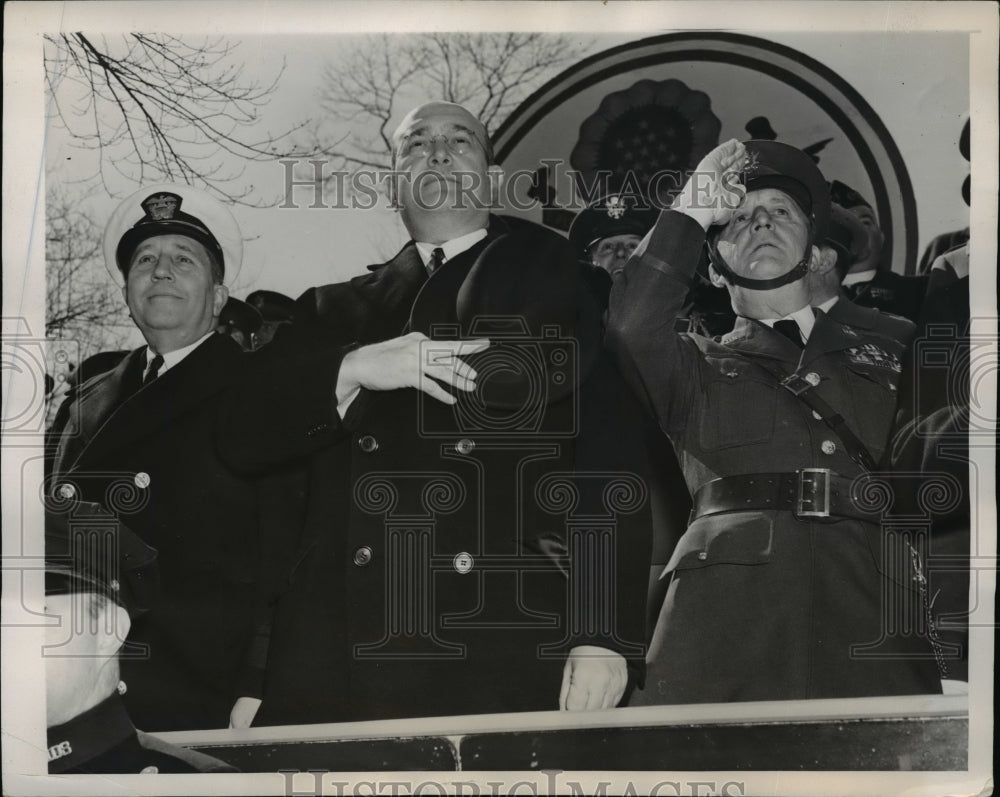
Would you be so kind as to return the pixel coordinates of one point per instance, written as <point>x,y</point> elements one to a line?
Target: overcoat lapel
<point>95,401</point>
<point>203,373</point>
<point>389,293</point>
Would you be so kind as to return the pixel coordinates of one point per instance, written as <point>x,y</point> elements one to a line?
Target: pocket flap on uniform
<point>736,538</point>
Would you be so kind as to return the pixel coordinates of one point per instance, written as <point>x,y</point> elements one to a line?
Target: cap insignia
<point>615,206</point>
<point>161,207</point>
<point>751,164</point>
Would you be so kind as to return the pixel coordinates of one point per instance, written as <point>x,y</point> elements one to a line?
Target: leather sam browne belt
<point>810,493</point>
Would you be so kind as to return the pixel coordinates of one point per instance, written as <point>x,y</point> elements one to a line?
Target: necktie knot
<point>153,370</point>
<point>790,329</point>
<point>437,259</point>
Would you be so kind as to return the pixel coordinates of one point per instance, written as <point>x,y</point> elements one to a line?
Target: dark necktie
<point>437,260</point>
<point>154,370</point>
<point>790,330</point>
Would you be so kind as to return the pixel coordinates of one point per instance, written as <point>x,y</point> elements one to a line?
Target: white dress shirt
<point>450,248</point>
<point>803,317</point>
<point>170,359</point>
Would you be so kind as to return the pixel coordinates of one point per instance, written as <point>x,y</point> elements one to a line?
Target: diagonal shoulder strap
<point>802,390</point>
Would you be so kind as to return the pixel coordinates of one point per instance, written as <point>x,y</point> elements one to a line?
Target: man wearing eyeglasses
<point>458,416</point>
<point>607,232</point>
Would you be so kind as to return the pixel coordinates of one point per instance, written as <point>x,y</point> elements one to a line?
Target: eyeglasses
<point>606,248</point>
<point>458,143</point>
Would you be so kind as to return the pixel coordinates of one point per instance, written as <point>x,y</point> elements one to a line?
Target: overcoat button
<point>368,444</point>
<point>66,491</point>
<point>141,480</point>
<point>812,378</point>
<point>463,562</point>
<point>363,556</point>
<point>150,770</point>
<point>703,555</point>
<point>828,446</point>
<point>892,388</point>
<point>465,446</point>
<point>817,416</point>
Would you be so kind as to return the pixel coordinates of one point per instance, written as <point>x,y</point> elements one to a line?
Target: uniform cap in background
<point>609,216</point>
<point>273,306</point>
<point>240,315</point>
<point>847,236</point>
<point>845,196</point>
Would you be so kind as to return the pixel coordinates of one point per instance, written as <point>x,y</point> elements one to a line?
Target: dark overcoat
<point>446,564</point>
<point>767,604</point>
<point>150,457</point>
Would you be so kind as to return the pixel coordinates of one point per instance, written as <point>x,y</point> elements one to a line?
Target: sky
<point>913,71</point>
<point>292,249</point>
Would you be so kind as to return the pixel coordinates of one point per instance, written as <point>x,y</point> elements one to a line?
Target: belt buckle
<point>796,385</point>
<point>814,493</point>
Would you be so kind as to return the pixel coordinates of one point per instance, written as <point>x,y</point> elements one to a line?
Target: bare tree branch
<point>364,90</point>
<point>80,302</point>
<point>158,107</point>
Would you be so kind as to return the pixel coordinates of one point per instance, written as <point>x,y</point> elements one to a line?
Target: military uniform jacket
<point>439,559</point>
<point>891,293</point>
<point>103,740</point>
<point>150,457</point>
<point>764,604</point>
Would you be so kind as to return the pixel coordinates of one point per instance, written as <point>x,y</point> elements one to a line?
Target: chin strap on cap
<point>719,264</point>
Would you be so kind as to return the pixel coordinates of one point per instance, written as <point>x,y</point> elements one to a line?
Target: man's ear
<point>822,259</point>
<point>495,176</point>
<point>219,299</point>
<point>114,624</point>
<point>717,279</point>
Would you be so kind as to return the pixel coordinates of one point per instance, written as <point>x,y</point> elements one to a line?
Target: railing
<point>880,733</point>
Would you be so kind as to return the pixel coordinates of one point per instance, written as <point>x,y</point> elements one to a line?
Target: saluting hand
<point>715,189</point>
<point>412,360</point>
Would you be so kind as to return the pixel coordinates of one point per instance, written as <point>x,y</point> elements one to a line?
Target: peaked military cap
<point>771,164</point>
<point>845,196</point>
<point>240,315</point>
<point>171,209</point>
<point>608,216</point>
<point>272,305</point>
<point>846,235</point>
